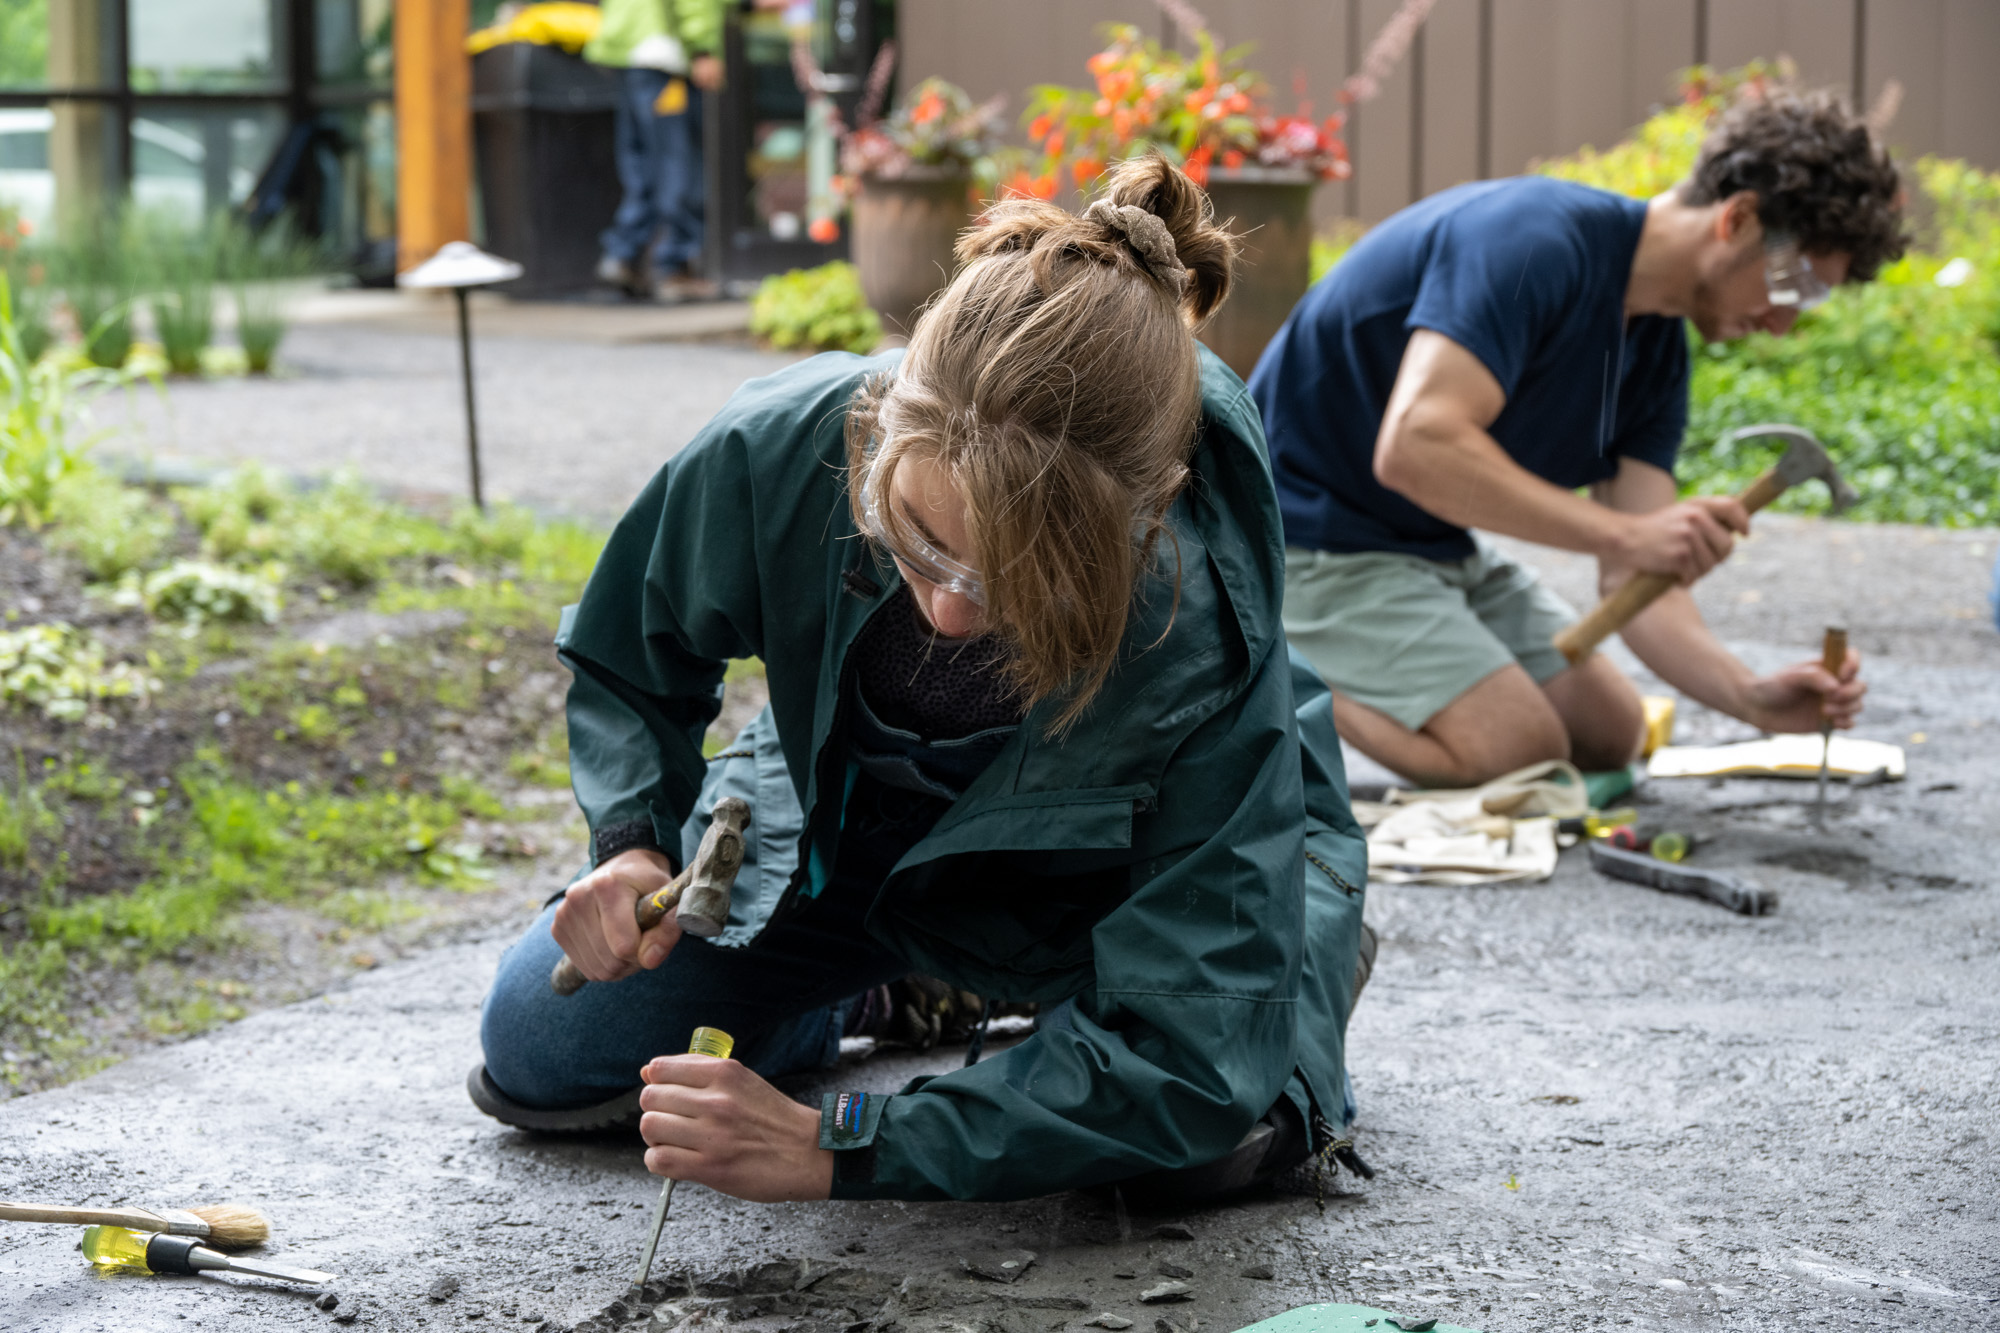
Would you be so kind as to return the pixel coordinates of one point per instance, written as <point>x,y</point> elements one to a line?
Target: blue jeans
<point>659,167</point>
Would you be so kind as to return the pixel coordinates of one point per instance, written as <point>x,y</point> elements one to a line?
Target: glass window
<point>27,186</point>
<point>206,45</point>
<point>57,44</point>
<point>353,41</point>
<point>189,164</point>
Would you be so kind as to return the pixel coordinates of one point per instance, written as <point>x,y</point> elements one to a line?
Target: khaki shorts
<point>1406,636</point>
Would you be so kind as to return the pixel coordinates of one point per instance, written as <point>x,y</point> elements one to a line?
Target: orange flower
<point>1232,158</point>
<point>1086,170</point>
<point>1054,146</point>
<point>824,230</point>
<point>1101,62</point>
<point>1196,101</point>
<point>1043,187</point>
<point>927,110</point>
<point>1103,107</point>
<point>1237,104</point>
<point>1039,127</point>
<point>1121,124</point>
<point>26,227</point>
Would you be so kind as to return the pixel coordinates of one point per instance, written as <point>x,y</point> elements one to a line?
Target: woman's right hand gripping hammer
<point>595,922</point>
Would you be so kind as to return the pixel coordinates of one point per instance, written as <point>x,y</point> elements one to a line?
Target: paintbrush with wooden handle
<point>226,1226</point>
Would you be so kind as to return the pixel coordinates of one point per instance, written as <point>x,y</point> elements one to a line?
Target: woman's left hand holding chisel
<point>718,1124</point>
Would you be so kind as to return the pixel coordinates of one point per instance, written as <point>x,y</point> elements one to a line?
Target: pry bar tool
<point>1833,656</point>
<point>1720,889</point>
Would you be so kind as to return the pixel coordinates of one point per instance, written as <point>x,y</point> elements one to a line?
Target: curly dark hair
<point>1819,175</point>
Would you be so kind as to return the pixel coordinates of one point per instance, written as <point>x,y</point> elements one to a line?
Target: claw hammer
<point>1804,459</point>
<point>701,891</point>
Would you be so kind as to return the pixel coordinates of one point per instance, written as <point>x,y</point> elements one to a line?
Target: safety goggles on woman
<point>917,555</point>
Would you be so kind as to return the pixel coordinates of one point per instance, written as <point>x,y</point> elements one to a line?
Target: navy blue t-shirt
<point>1529,276</point>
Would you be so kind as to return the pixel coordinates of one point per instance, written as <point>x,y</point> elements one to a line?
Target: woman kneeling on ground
<point>1033,729</point>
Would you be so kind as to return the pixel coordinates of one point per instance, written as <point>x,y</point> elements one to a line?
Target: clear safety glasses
<point>917,555</point>
<point>1789,276</point>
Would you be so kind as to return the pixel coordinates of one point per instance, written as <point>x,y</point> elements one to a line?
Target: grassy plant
<point>816,309</point>
<point>100,272</point>
<point>24,817</point>
<point>258,268</point>
<point>184,306</point>
<point>109,527</point>
<point>27,276</point>
<point>36,396</point>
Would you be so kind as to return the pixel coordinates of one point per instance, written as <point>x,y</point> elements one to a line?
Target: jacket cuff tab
<point>847,1125</point>
<point>848,1120</point>
<point>612,839</point>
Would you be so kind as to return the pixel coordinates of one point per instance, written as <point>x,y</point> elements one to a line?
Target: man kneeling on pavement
<point>1481,355</point>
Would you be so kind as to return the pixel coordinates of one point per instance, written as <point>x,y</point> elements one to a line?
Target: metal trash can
<point>548,177</point>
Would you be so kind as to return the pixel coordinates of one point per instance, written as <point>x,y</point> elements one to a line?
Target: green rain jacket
<point>1182,864</point>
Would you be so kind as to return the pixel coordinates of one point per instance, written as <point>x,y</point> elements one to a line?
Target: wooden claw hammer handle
<point>710,876</point>
<point>1580,640</point>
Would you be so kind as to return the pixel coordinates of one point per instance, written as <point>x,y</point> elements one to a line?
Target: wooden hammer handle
<point>1580,640</point>
<point>711,875</point>
<point>649,911</point>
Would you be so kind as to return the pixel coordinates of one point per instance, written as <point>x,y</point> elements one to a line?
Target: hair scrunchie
<point>1148,237</point>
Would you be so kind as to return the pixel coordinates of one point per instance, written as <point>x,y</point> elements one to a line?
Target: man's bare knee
<point>1500,725</point>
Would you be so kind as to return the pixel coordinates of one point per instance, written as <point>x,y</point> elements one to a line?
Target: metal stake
<point>471,414</point>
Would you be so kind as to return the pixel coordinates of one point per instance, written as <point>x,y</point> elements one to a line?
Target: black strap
<point>978,1042</point>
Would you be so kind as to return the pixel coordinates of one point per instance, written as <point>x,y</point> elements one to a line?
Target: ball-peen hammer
<point>701,891</point>
<point>1804,459</point>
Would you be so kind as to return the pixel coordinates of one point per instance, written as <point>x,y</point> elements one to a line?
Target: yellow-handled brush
<point>226,1226</point>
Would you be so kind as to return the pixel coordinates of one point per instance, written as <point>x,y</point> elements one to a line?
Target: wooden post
<point>433,128</point>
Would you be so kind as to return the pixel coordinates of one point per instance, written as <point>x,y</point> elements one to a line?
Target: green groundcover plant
<point>816,309</point>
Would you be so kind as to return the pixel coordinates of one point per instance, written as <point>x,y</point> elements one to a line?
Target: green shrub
<point>817,309</point>
<point>1331,246</point>
<point>109,527</point>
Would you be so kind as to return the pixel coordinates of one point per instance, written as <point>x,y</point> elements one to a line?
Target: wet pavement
<point>1588,1104</point>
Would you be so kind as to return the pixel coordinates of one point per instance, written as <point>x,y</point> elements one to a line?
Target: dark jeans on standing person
<point>659,168</point>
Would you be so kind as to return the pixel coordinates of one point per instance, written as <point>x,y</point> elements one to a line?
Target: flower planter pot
<point>904,228</point>
<point>1271,208</point>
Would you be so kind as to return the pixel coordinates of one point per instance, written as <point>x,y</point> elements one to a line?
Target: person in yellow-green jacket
<point>1033,731</point>
<point>659,48</point>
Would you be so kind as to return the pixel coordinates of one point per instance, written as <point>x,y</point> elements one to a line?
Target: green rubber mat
<point>1351,1319</point>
